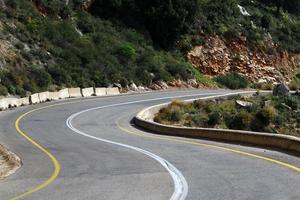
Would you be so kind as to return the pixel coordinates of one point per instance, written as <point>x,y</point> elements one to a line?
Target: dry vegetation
<point>263,114</point>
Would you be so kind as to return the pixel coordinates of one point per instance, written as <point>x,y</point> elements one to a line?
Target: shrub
<point>172,113</point>
<point>292,102</point>
<point>263,118</point>
<point>214,118</point>
<point>240,121</point>
<point>232,81</point>
<point>200,119</point>
<point>3,90</point>
<point>127,52</point>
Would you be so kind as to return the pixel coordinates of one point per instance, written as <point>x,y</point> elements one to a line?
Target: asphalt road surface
<point>95,153</point>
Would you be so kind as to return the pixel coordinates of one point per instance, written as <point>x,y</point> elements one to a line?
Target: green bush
<point>214,118</point>
<point>263,118</point>
<point>232,81</point>
<point>127,52</point>
<point>241,121</point>
<point>292,102</point>
<point>3,90</point>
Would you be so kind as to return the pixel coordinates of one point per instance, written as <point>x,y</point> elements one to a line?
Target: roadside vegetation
<point>232,81</point>
<point>295,83</point>
<point>263,113</point>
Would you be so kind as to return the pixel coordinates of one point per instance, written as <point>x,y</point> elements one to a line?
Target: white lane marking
<point>180,184</point>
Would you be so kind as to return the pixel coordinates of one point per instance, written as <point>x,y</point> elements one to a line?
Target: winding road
<point>88,149</point>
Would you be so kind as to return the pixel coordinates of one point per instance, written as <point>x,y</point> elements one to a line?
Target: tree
<point>165,20</point>
<point>292,6</point>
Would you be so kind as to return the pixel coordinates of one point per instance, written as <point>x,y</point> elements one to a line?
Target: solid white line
<point>180,184</point>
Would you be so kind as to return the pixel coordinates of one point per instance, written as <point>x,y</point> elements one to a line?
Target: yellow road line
<point>290,166</point>
<point>55,163</point>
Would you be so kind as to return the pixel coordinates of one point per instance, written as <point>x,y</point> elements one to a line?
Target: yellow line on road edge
<point>290,166</point>
<point>52,158</point>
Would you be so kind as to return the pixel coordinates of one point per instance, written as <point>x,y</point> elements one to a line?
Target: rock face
<point>219,56</point>
<point>281,90</point>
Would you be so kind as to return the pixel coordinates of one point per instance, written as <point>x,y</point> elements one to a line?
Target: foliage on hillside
<point>66,46</point>
<point>72,43</point>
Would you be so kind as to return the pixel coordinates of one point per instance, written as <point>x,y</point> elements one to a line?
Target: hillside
<point>49,44</point>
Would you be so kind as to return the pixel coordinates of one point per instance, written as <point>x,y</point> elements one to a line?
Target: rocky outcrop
<point>219,56</point>
<point>281,90</point>
<point>9,162</point>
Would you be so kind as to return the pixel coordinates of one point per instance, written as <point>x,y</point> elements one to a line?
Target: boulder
<point>133,87</point>
<point>193,83</point>
<point>163,85</point>
<point>243,104</point>
<point>281,90</point>
<point>154,86</point>
<point>141,89</point>
<point>116,85</point>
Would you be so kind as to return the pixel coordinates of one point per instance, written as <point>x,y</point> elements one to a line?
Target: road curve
<point>97,164</point>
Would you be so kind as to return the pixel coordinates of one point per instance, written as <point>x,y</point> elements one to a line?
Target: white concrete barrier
<point>100,91</point>
<point>24,101</point>
<point>13,102</point>
<point>112,91</point>
<point>53,96</point>
<point>34,98</point>
<point>87,92</point>
<point>75,92</point>
<point>44,96</point>
<point>64,93</point>
<point>3,104</point>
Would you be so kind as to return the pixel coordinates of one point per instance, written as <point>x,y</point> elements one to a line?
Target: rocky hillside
<point>49,44</point>
<point>220,56</point>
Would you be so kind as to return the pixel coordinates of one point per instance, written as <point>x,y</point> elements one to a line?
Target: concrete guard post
<point>87,92</point>
<point>34,98</point>
<point>53,96</point>
<point>74,92</point>
<point>144,119</point>
<point>24,101</point>
<point>12,102</point>
<point>100,91</point>
<point>44,96</point>
<point>3,104</point>
<point>63,93</point>
<point>112,91</point>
